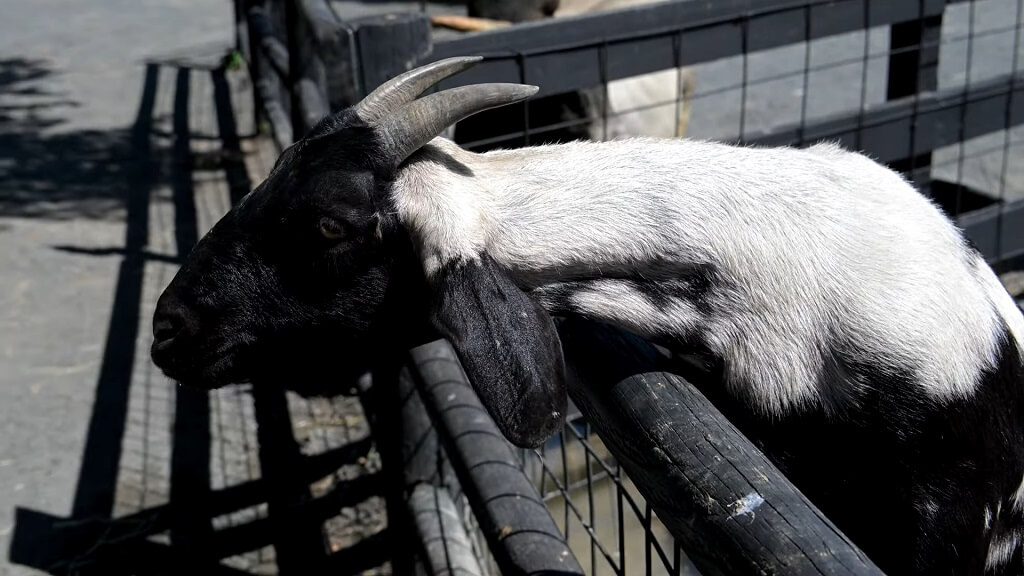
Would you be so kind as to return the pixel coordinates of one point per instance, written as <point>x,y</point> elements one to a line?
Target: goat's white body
<point>818,250</point>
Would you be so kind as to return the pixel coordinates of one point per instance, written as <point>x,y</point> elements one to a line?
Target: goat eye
<point>331,229</point>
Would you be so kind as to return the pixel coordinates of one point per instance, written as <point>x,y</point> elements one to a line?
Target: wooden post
<point>389,45</point>
<point>253,59</point>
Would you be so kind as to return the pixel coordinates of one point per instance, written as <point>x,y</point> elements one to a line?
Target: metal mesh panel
<point>607,522</point>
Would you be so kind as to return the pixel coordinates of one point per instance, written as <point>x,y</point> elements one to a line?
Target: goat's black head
<point>311,265</point>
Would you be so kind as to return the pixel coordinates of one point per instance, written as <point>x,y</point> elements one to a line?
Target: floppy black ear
<point>508,346</point>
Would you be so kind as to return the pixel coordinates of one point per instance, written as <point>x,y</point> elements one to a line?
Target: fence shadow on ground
<point>283,505</point>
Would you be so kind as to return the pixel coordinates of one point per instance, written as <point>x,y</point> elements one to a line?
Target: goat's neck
<point>554,212</point>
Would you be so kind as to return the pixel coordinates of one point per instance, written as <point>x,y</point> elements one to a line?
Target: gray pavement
<point>71,79</point>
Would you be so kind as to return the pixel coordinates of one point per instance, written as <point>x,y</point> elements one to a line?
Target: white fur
<point>1000,550</point>
<point>817,249</point>
<point>1018,498</point>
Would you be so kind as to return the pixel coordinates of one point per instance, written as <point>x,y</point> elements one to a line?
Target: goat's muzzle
<point>174,330</point>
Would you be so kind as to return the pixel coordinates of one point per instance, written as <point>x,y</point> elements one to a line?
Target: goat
<point>871,350</point>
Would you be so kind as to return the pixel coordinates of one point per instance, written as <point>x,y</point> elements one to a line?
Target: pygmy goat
<point>874,353</point>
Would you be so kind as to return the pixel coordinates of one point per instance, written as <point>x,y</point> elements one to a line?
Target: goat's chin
<point>208,372</point>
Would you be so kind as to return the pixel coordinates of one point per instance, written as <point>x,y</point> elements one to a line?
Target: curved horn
<point>405,87</point>
<point>421,121</point>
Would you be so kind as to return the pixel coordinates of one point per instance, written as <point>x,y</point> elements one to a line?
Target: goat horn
<point>405,87</point>
<point>421,121</point>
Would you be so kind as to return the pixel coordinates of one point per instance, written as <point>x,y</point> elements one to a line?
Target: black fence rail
<point>931,87</point>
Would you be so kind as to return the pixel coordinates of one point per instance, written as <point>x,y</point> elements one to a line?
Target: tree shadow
<point>45,173</point>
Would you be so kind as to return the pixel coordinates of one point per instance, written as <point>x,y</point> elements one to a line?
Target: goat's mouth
<point>209,370</point>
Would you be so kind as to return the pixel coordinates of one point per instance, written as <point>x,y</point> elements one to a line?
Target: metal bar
<point>731,509</point>
<point>520,532</point>
<point>564,53</point>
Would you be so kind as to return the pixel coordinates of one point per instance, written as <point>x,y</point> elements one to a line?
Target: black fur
<point>508,346</point>
<point>264,288</point>
<point>877,468</point>
<point>665,284</point>
<point>692,284</point>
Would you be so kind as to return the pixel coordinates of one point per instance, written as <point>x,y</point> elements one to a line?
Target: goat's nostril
<point>166,327</point>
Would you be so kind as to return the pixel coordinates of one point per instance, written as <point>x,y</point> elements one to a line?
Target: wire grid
<point>608,524</point>
<point>748,96</point>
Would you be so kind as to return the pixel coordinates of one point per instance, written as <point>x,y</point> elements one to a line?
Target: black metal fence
<point>931,87</point>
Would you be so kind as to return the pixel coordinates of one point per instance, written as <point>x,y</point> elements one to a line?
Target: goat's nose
<point>169,320</point>
<point>167,325</point>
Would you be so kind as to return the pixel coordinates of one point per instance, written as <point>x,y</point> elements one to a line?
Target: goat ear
<point>508,347</point>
